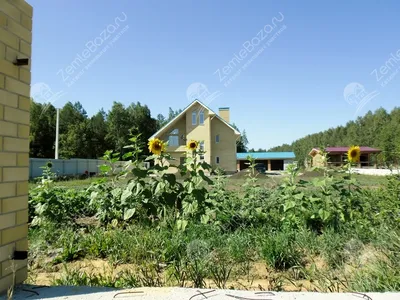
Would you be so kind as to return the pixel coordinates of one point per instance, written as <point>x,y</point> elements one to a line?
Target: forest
<point>82,136</point>
<point>379,129</point>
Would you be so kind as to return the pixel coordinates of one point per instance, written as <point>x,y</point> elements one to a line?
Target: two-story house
<point>198,122</point>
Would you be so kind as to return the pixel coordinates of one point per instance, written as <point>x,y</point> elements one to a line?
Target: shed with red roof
<point>336,156</point>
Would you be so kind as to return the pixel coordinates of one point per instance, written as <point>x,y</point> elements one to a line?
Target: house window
<point>201,118</point>
<point>202,150</point>
<point>194,118</point>
<point>217,138</point>
<point>173,138</point>
<point>217,160</point>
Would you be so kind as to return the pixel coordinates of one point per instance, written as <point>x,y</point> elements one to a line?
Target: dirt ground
<point>260,277</point>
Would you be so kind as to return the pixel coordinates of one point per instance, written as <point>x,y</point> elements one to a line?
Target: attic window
<point>201,118</point>
<point>173,138</point>
<point>194,118</point>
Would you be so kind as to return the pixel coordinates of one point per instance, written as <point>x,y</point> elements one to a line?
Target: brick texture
<point>10,10</point>
<point>8,68</point>
<point>8,38</point>
<point>14,204</point>
<point>8,98</point>
<point>15,174</point>
<point>15,81</point>
<point>7,189</point>
<point>22,245</point>
<point>8,160</point>
<point>2,81</point>
<point>15,144</point>
<point>8,267</point>
<point>16,115</point>
<point>23,131</point>
<point>22,217</point>
<point>6,251</point>
<point>22,188</point>
<point>26,21</point>
<point>24,103</point>
<point>2,51</point>
<point>14,233</point>
<point>8,129</point>
<point>18,87</point>
<point>25,75</point>
<point>7,220</point>
<point>23,159</point>
<point>25,48</point>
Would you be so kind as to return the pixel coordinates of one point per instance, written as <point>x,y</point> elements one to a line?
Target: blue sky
<point>153,51</point>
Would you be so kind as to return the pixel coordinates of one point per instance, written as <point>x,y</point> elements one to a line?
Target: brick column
<point>15,42</point>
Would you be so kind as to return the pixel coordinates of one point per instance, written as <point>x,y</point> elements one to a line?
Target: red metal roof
<point>363,149</point>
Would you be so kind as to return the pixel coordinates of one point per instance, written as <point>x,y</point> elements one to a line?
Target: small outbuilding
<point>273,161</point>
<point>337,156</point>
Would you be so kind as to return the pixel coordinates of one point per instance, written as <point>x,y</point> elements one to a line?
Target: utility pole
<point>57,131</point>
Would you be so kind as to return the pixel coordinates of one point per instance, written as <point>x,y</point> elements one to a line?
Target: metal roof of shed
<point>265,155</point>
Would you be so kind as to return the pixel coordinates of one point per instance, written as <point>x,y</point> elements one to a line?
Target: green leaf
<point>288,205</point>
<point>205,178</point>
<point>299,196</point>
<point>129,213</point>
<point>181,224</point>
<point>205,219</point>
<point>126,194</point>
<point>139,189</point>
<point>159,187</point>
<point>324,215</point>
<point>170,178</point>
<point>141,173</point>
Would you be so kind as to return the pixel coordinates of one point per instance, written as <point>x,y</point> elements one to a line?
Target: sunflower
<point>49,164</point>
<point>353,155</point>
<point>192,145</point>
<point>156,146</point>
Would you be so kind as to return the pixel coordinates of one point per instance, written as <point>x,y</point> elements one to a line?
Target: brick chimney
<point>224,114</point>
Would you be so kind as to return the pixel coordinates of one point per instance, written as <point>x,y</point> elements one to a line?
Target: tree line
<point>81,136</point>
<point>379,129</point>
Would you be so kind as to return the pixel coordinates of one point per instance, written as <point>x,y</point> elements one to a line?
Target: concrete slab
<point>175,293</point>
<point>376,172</point>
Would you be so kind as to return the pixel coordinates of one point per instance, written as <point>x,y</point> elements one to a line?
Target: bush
<point>280,251</point>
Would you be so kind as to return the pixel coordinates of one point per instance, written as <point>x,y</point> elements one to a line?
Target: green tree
<point>42,130</point>
<point>378,129</point>
<point>242,142</point>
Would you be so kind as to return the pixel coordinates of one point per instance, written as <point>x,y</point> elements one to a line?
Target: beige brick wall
<point>226,148</point>
<point>15,42</point>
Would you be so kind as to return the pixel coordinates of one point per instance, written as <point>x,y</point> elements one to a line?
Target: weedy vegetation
<point>152,228</point>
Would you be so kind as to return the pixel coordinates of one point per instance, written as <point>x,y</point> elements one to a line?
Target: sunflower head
<point>156,146</point>
<point>192,145</point>
<point>49,164</point>
<point>353,155</point>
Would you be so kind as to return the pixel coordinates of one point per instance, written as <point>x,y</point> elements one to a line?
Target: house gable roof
<point>182,113</point>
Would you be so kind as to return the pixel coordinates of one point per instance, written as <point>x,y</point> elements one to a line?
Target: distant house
<point>214,133</point>
<point>338,155</point>
<point>273,161</point>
